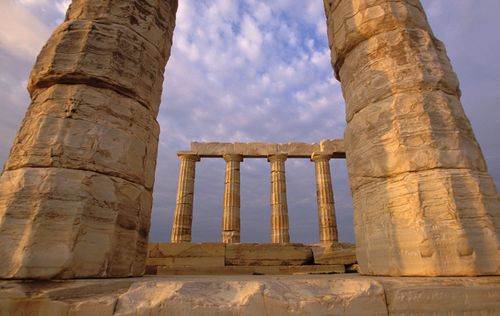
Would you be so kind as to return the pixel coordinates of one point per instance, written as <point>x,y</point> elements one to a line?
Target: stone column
<point>424,202</point>
<point>183,214</point>
<point>231,212</point>
<point>279,207</point>
<point>75,193</point>
<point>324,193</point>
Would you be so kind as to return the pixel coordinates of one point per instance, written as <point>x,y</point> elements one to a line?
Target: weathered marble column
<point>183,214</point>
<point>424,201</point>
<point>231,211</point>
<point>76,191</point>
<point>279,206</point>
<point>324,193</point>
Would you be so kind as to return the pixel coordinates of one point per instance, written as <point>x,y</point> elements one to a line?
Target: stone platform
<point>240,258</point>
<point>253,295</point>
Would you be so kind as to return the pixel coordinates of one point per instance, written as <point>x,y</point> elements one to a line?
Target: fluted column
<point>183,215</point>
<point>279,206</point>
<point>231,211</point>
<point>324,193</point>
<point>424,201</point>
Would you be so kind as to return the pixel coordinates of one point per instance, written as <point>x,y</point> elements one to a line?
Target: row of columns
<point>183,215</point>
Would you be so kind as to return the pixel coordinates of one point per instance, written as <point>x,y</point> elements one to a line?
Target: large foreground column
<point>75,193</point>
<point>424,201</point>
<point>183,214</point>
<point>231,211</point>
<point>324,193</point>
<point>279,206</point>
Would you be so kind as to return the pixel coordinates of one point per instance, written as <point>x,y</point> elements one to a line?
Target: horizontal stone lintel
<point>335,147</point>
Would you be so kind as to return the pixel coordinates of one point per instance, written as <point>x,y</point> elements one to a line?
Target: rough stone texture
<point>268,254</point>
<point>75,193</point>
<point>263,150</point>
<point>442,296</point>
<point>86,128</point>
<point>183,214</point>
<point>335,253</point>
<point>185,255</point>
<point>253,295</point>
<point>423,199</point>
<point>335,147</point>
<point>231,204</point>
<point>279,206</point>
<point>236,258</point>
<point>324,194</point>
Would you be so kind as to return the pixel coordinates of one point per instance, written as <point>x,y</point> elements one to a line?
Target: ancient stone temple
<point>76,191</point>
<point>276,154</point>
<point>234,256</point>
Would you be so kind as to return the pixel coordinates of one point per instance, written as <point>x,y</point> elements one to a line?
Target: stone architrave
<point>231,207</point>
<point>324,193</point>
<point>183,214</point>
<point>76,191</point>
<point>279,206</point>
<point>424,201</point>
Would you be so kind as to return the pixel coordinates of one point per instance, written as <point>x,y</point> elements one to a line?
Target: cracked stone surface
<point>75,193</point>
<point>253,295</point>
<point>423,199</point>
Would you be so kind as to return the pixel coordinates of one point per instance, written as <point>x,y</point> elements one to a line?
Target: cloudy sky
<point>249,70</point>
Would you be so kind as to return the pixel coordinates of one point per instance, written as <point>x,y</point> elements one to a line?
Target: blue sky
<point>258,71</point>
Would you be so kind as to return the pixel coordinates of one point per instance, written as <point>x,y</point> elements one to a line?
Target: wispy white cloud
<point>22,34</point>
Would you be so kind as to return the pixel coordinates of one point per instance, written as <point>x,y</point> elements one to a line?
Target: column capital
<point>277,157</point>
<point>188,155</point>
<point>232,157</point>
<point>321,156</point>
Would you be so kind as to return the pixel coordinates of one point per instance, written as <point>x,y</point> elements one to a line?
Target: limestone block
<point>212,149</point>
<point>268,254</point>
<point>85,128</point>
<point>298,149</point>
<point>428,139</point>
<point>152,20</point>
<point>355,20</point>
<point>253,295</point>
<point>440,296</point>
<point>104,55</point>
<point>335,147</point>
<point>335,253</point>
<point>263,150</point>
<point>185,255</point>
<point>185,250</point>
<point>396,61</point>
<point>231,295</point>
<point>191,262</point>
<point>256,149</point>
<point>71,223</point>
<point>435,222</point>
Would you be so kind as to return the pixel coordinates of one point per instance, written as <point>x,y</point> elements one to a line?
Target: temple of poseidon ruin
<point>76,190</point>
<point>232,256</point>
